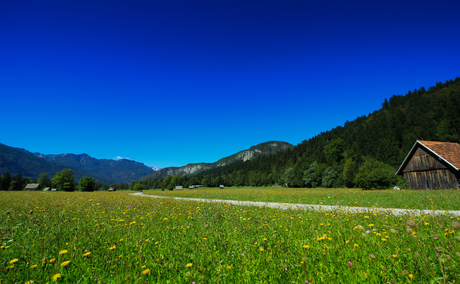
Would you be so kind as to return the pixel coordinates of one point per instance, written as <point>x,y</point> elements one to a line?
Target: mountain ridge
<point>270,147</point>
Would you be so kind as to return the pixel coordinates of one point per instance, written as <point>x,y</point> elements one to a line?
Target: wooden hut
<point>432,165</point>
<point>32,186</point>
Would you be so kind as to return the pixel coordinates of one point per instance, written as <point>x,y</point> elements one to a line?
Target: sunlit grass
<point>410,199</point>
<point>113,237</point>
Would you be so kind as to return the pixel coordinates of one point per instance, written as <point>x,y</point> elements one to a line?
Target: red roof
<point>450,152</point>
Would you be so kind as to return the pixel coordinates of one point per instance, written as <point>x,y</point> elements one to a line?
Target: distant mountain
<point>111,171</point>
<point>266,148</point>
<point>20,161</point>
<point>155,169</point>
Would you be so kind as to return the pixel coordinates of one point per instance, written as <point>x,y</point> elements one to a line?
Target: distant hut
<point>178,187</point>
<point>32,186</point>
<point>221,186</point>
<point>54,189</point>
<point>112,189</point>
<point>46,189</point>
<point>195,186</point>
<point>432,165</point>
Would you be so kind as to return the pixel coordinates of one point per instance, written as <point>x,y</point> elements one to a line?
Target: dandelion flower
<point>261,249</point>
<point>229,267</point>
<point>63,251</point>
<point>52,260</point>
<point>394,255</point>
<point>189,264</point>
<point>56,276</point>
<point>87,254</point>
<point>30,282</point>
<point>14,260</point>
<point>306,246</point>
<point>65,263</point>
<point>33,266</point>
<point>145,272</point>
<point>113,247</point>
<point>411,276</point>
<point>356,245</point>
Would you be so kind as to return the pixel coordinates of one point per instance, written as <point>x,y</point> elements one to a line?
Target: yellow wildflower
<point>261,249</point>
<point>56,276</point>
<point>229,267</point>
<point>145,272</point>
<point>33,266</point>
<point>189,264</point>
<point>87,254</point>
<point>52,260</point>
<point>306,246</point>
<point>63,251</point>
<point>14,260</point>
<point>30,282</point>
<point>65,263</point>
<point>113,247</point>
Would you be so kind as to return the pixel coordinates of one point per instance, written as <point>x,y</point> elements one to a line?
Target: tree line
<point>62,181</point>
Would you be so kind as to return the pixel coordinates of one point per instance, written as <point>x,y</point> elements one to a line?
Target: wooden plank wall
<point>426,171</point>
<point>435,179</point>
<point>423,161</point>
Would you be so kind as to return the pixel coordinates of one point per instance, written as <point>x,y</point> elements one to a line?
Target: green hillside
<point>333,158</point>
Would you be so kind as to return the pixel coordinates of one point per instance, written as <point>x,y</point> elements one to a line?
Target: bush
<point>374,174</point>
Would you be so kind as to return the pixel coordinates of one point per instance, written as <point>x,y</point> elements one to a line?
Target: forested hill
<point>386,135</point>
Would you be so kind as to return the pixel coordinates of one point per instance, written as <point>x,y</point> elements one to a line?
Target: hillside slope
<point>20,161</point>
<point>266,148</point>
<point>111,171</point>
<point>386,135</point>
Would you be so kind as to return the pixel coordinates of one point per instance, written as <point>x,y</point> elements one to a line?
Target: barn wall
<point>426,171</point>
<point>423,161</point>
<point>435,179</point>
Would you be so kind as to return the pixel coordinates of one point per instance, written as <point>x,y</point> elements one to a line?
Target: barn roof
<point>446,151</point>
<point>32,186</point>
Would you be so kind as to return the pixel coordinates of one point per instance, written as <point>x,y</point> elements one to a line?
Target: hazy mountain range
<point>20,161</point>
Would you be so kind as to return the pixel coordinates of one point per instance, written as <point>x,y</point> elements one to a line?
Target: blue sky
<point>168,83</point>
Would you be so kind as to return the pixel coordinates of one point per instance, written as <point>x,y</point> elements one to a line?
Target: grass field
<point>104,237</point>
<point>411,199</point>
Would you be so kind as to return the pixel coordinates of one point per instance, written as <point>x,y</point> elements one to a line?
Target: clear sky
<point>168,83</point>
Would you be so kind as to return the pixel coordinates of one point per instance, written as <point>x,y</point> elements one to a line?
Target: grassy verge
<point>411,199</point>
<point>106,237</point>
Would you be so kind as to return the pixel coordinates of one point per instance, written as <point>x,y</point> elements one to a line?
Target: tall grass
<point>106,237</point>
<point>410,199</point>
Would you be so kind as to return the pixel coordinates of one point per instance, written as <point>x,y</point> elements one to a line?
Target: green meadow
<point>114,237</point>
<point>410,199</point>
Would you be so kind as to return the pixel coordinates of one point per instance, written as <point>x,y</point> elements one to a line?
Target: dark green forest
<point>370,147</point>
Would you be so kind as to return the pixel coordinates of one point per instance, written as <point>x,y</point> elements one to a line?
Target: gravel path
<point>293,206</point>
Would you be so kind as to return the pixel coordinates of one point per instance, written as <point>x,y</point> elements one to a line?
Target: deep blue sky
<point>171,82</point>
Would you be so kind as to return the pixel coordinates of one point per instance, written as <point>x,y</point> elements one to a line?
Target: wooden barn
<point>432,165</point>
